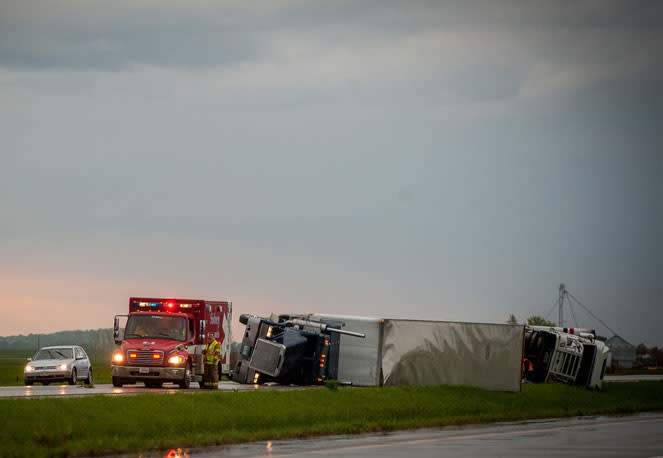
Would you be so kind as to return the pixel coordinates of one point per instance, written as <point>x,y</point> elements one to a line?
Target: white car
<point>63,363</point>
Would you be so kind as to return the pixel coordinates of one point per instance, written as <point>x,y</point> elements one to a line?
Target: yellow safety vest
<point>212,352</point>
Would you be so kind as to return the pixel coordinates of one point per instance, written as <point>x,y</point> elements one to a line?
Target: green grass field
<point>149,422</point>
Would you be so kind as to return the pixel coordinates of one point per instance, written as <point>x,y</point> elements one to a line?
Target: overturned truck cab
<point>564,355</point>
<point>288,350</point>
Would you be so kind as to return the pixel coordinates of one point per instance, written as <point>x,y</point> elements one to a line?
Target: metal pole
<point>560,304</point>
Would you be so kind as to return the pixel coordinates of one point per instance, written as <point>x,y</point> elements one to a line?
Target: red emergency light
<point>156,356</point>
<point>164,305</point>
<point>133,355</point>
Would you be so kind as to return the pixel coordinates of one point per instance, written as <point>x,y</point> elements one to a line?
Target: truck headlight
<point>118,357</point>
<point>29,368</point>
<point>177,359</point>
<point>63,367</point>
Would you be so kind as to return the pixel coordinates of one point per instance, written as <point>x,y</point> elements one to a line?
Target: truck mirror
<point>203,327</point>
<point>116,331</point>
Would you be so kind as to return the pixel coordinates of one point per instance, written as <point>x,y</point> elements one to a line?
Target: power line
<point>551,310</point>
<point>573,314</point>
<point>591,313</point>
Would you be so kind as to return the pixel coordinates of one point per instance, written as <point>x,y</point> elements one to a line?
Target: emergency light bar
<point>165,305</point>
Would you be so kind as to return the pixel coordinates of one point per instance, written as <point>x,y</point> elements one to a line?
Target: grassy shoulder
<point>133,424</point>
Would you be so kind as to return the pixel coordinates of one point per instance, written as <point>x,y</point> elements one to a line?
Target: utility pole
<point>560,304</point>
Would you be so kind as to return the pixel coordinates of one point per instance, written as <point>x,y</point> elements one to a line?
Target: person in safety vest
<point>211,354</point>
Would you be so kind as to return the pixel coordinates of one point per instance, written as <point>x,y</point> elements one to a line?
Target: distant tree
<point>536,320</point>
<point>641,349</point>
<point>656,356</point>
<point>512,319</point>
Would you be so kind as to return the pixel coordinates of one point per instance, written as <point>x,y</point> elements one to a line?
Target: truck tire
<point>117,382</point>
<point>185,383</point>
<point>88,380</point>
<point>73,379</point>
<point>28,382</point>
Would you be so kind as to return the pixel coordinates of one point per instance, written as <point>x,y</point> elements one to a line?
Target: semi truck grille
<point>151,357</point>
<point>267,357</point>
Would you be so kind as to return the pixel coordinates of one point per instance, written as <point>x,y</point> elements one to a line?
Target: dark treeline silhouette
<point>93,340</point>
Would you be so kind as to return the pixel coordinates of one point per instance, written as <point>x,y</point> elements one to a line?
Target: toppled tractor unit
<point>288,350</point>
<point>564,355</point>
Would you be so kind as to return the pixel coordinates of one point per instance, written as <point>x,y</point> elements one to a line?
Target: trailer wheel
<point>117,382</point>
<point>186,381</point>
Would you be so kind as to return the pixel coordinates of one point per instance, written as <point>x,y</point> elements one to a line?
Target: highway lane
<point>40,391</point>
<point>587,437</point>
<point>632,378</point>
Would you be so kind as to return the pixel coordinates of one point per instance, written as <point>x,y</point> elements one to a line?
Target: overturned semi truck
<point>309,349</point>
<point>564,355</point>
<point>289,350</point>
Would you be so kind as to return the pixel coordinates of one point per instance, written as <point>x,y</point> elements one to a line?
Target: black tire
<point>185,383</point>
<point>88,380</point>
<point>28,382</point>
<point>74,378</point>
<point>117,382</point>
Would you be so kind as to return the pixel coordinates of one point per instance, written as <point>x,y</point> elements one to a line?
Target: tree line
<point>647,357</point>
<point>92,340</point>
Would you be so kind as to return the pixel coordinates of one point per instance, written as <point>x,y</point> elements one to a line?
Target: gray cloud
<point>452,161</point>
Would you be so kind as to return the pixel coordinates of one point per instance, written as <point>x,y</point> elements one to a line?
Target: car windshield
<point>156,327</point>
<point>54,353</point>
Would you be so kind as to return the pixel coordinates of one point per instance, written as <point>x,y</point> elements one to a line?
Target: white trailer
<point>416,352</point>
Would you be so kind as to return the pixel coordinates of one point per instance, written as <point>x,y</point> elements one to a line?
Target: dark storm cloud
<point>95,35</point>
<point>117,35</point>
<point>456,160</point>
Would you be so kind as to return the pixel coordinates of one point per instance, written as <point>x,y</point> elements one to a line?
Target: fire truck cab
<point>163,340</point>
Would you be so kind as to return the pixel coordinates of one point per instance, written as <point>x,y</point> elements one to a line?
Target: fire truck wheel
<point>117,382</point>
<point>88,380</point>
<point>73,379</point>
<point>186,381</point>
<point>27,382</point>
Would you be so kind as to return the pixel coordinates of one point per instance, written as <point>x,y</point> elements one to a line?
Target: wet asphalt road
<point>40,391</point>
<point>638,436</point>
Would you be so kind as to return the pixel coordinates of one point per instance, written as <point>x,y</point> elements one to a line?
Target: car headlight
<point>177,359</point>
<point>118,357</point>
<point>63,367</point>
<point>29,368</point>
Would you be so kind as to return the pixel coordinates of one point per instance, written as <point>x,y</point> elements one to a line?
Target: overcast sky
<point>426,160</point>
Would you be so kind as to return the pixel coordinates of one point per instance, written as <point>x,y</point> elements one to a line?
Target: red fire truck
<point>164,338</point>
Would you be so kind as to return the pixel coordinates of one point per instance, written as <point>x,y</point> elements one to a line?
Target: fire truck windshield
<point>156,327</point>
